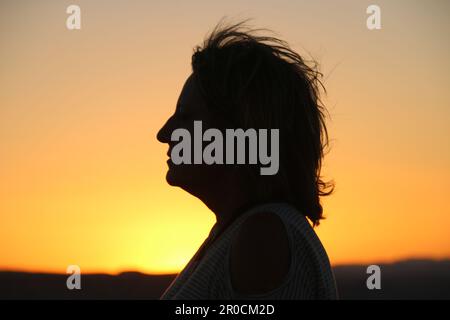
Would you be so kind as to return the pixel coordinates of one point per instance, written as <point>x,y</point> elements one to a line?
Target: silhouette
<point>262,245</point>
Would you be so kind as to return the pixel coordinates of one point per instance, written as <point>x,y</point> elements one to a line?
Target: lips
<point>169,161</point>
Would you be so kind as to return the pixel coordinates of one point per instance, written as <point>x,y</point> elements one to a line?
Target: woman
<point>262,245</point>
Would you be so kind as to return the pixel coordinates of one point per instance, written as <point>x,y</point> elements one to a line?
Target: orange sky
<point>82,175</point>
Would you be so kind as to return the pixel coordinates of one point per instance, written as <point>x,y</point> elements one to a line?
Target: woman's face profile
<point>191,106</point>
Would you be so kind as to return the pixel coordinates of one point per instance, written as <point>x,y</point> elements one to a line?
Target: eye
<point>183,116</point>
<point>180,119</point>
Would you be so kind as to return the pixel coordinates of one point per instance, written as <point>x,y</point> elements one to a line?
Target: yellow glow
<point>82,177</point>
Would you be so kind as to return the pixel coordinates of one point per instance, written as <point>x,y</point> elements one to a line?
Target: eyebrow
<point>180,106</point>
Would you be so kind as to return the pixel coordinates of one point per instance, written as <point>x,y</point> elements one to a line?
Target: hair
<point>255,81</point>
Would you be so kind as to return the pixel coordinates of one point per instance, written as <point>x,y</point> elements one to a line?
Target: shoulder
<point>260,254</point>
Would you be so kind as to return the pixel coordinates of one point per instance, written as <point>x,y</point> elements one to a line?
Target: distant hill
<point>411,279</point>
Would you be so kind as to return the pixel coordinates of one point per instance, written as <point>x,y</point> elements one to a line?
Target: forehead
<point>190,99</point>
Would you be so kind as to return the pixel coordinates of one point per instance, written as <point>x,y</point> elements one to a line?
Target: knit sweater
<point>309,277</point>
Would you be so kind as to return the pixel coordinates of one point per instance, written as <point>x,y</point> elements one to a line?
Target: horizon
<point>134,271</point>
<point>82,176</point>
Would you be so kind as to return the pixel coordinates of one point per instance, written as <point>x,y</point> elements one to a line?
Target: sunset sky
<point>82,176</point>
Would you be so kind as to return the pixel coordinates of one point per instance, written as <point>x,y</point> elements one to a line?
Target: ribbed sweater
<point>309,277</point>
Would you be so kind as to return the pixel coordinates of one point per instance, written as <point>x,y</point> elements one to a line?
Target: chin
<point>182,178</point>
<point>171,178</point>
<point>175,177</point>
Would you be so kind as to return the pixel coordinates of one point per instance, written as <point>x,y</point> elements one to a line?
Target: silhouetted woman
<point>262,245</point>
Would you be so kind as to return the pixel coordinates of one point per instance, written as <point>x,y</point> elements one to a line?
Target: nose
<point>165,132</point>
<point>162,134</point>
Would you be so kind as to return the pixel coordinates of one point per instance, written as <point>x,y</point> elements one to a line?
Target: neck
<point>227,202</point>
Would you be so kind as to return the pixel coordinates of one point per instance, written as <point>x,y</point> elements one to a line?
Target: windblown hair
<point>255,81</point>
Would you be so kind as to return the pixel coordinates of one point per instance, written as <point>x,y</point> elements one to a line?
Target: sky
<point>82,176</point>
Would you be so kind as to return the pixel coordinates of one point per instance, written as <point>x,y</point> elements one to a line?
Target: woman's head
<point>243,80</point>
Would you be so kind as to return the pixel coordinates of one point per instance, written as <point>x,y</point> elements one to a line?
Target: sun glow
<point>82,177</point>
